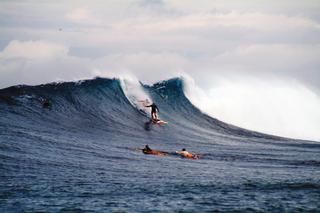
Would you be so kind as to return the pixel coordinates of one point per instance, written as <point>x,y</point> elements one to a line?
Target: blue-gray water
<point>81,155</point>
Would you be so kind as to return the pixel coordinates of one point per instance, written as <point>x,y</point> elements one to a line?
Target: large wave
<point>111,105</point>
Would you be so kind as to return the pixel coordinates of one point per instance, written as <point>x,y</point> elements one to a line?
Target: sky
<point>253,63</point>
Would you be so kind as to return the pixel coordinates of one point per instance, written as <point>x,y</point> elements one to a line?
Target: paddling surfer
<point>186,154</point>
<point>146,149</point>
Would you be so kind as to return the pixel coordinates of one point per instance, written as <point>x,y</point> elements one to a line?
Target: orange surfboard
<point>155,152</point>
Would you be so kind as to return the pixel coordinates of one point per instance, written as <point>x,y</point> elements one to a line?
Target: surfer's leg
<point>154,116</point>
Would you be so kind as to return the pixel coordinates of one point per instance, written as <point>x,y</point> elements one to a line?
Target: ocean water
<point>82,154</point>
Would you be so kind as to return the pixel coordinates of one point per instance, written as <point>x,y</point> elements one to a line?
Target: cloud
<point>33,50</point>
<point>300,62</point>
<point>260,60</point>
<point>36,62</point>
<point>82,16</point>
<point>151,3</point>
<point>148,67</point>
<point>261,22</point>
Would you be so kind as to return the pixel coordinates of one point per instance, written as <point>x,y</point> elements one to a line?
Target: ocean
<point>83,154</point>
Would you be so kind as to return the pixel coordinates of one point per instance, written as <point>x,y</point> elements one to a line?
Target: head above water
<point>183,149</point>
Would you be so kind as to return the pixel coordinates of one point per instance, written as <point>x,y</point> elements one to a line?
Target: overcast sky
<point>210,41</point>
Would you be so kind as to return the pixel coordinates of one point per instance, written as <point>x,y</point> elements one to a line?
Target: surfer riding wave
<point>154,110</point>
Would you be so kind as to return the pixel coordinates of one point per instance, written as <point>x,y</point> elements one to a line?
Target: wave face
<point>80,154</point>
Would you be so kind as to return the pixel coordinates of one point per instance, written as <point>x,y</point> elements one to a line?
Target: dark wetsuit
<point>154,108</point>
<point>146,149</point>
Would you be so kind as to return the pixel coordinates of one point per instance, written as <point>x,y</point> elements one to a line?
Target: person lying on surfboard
<point>154,110</point>
<point>184,153</point>
<point>149,151</point>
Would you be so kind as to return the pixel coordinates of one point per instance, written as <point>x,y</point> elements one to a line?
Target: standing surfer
<point>154,110</point>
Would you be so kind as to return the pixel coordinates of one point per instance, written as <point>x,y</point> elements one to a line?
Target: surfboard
<point>161,122</point>
<point>155,152</point>
<point>188,155</point>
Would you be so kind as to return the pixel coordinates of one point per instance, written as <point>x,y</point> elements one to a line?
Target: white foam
<point>279,107</point>
<point>135,92</point>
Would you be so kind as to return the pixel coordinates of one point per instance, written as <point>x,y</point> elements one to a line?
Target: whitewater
<point>82,154</point>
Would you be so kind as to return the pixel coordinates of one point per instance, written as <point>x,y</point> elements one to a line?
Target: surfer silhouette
<point>154,110</point>
<point>146,148</point>
<point>46,103</point>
